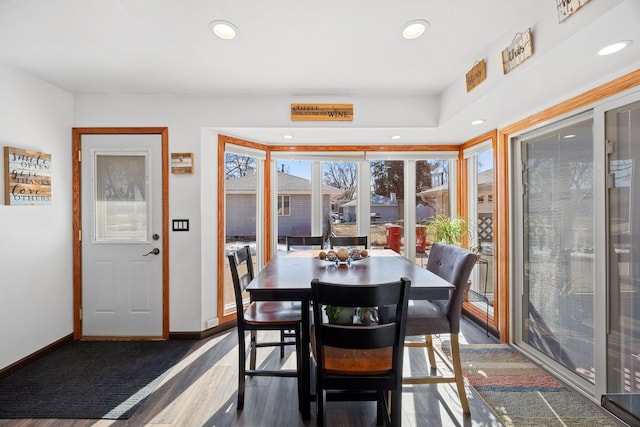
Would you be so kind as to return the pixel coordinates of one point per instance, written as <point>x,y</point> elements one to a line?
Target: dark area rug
<point>89,379</point>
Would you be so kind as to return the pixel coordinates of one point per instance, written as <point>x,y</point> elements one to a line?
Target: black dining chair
<point>360,361</point>
<point>297,241</point>
<point>261,316</point>
<point>348,241</point>
<point>427,318</point>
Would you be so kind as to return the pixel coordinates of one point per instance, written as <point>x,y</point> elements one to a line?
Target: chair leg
<point>395,406</point>
<point>457,370</point>
<point>299,366</point>
<point>242,360</point>
<point>432,357</point>
<point>282,338</point>
<point>252,349</point>
<point>321,400</point>
<point>381,404</point>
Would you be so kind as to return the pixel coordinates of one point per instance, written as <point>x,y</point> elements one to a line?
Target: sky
<point>302,168</point>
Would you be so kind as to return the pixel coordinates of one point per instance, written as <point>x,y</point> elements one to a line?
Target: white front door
<point>122,283</point>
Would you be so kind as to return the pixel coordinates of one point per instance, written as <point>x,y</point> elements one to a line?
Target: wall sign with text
<point>27,177</point>
<point>567,8</point>
<point>322,112</point>
<point>520,49</point>
<point>476,75</point>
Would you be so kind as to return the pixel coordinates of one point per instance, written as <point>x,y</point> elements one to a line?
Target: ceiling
<point>328,49</point>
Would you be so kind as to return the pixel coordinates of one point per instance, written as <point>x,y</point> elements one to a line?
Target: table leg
<point>305,399</point>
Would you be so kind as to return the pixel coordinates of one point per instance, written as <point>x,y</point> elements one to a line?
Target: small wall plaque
<point>567,8</point>
<point>476,75</point>
<point>27,177</point>
<point>181,163</point>
<point>520,49</point>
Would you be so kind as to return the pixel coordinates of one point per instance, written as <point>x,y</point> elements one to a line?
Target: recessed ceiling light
<point>614,47</point>
<point>223,29</point>
<point>288,136</point>
<point>414,29</point>
<point>569,136</point>
<point>477,122</point>
<point>395,137</point>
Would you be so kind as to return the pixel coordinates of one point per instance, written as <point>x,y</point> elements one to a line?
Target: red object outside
<point>394,234</point>
<point>421,239</point>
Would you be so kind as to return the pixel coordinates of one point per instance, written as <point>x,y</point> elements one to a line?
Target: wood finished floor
<point>201,391</point>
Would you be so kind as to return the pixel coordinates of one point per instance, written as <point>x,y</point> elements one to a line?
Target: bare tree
<point>236,165</point>
<point>342,175</point>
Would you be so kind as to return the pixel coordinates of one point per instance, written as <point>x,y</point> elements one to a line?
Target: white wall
<point>36,283</point>
<point>192,122</point>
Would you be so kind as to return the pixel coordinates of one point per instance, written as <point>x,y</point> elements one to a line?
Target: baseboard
<point>35,356</point>
<point>200,335</point>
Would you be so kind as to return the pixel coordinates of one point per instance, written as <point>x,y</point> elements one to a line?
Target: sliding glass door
<point>623,340</point>
<point>558,244</point>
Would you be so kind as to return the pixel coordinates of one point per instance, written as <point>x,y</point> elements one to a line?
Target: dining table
<point>288,277</point>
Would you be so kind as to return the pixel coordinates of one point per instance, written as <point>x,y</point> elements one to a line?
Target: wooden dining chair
<point>296,241</point>
<point>360,361</point>
<point>261,316</point>
<point>348,241</point>
<point>426,318</point>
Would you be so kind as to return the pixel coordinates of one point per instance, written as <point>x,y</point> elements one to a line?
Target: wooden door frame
<point>76,168</point>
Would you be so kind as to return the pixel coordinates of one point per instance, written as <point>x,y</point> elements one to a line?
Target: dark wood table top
<point>292,273</point>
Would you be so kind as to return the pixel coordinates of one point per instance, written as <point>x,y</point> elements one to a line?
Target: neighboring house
<point>438,197</point>
<point>293,202</point>
<point>383,208</point>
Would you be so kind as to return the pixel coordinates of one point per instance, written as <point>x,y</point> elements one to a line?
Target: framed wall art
<point>27,177</point>
<point>181,163</point>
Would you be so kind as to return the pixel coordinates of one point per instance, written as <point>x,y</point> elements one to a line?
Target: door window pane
<point>121,211</point>
<point>623,342</point>
<point>558,302</point>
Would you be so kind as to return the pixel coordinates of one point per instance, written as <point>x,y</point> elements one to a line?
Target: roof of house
<point>287,184</point>
<point>376,200</point>
<point>485,179</point>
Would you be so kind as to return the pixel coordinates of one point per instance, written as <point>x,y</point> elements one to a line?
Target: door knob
<point>154,251</point>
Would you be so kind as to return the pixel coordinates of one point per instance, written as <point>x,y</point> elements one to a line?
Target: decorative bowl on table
<point>343,255</point>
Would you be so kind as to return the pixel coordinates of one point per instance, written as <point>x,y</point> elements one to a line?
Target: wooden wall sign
<point>567,8</point>
<point>520,49</point>
<point>322,112</point>
<point>27,177</point>
<point>181,163</point>
<point>476,75</point>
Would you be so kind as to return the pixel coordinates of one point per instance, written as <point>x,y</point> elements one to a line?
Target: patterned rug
<point>523,394</point>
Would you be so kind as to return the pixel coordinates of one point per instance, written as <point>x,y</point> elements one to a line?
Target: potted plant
<point>447,230</point>
<point>340,315</point>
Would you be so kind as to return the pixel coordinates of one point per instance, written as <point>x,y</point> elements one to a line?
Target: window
<point>284,205</point>
<point>482,295</point>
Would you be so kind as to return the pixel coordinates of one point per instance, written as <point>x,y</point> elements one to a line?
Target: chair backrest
<point>454,264</point>
<point>303,241</point>
<point>346,241</point>
<point>238,259</point>
<point>388,332</point>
